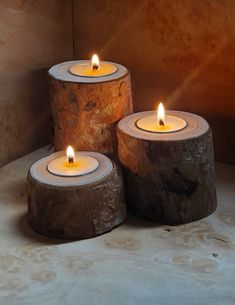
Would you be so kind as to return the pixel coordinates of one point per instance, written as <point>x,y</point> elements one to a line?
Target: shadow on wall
<point>34,35</point>
<point>178,51</point>
<point>40,107</point>
<point>25,126</point>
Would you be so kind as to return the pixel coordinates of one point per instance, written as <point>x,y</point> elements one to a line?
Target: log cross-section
<point>76,207</point>
<point>85,110</point>
<point>169,178</point>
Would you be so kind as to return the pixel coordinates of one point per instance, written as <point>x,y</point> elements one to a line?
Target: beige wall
<point>181,51</point>
<point>34,34</point>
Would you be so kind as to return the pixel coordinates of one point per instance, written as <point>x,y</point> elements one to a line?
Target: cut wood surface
<point>75,207</point>
<point>85,110</point>
<point>169,177</point>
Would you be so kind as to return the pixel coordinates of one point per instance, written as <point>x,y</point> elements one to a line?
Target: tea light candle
<point>160,122</point>
<point>93,68</point>
<point>72,164</point>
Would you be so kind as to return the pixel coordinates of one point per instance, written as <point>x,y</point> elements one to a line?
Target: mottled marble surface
<point>137,263</point>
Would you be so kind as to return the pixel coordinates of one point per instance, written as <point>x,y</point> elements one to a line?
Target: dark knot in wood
<point>179,184</point>
<point>89,105</point>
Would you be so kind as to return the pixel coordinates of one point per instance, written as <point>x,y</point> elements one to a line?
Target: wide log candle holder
<point>75,207</point>
<point>86,104</point>
<point>169,176</point>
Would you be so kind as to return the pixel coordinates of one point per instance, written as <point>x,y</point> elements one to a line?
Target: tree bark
<point>77,212</point>
<point>170,182</point>
<point>85,114</point>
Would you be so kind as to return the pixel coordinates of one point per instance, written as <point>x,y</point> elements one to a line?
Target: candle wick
<point>70,160</point>
<point>95,67</point>
<point>161,123</point>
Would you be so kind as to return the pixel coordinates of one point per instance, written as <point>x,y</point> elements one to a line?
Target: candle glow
<point>95,62</point>
<point>70,155</point>
<point>161,122</point>
<point>161,115</point>
<point>93,67</point>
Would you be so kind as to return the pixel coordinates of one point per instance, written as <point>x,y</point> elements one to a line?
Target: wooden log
<point>75,207</point>
<point>85,110</point>
<point>169,177</point>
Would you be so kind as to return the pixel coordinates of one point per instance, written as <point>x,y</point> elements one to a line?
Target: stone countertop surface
<point>137,263</point>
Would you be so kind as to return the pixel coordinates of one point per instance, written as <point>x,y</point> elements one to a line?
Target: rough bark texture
<point>82,212</point>
<point>85,115</point>
<point>169,182</point>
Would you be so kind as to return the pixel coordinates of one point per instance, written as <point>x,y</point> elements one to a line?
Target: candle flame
<point>161,115</point>
<point>70,155</point>
<point>95,62</point>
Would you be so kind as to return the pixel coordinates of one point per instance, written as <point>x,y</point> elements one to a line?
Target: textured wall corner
<point>33,36</point>
<point>179,51</point>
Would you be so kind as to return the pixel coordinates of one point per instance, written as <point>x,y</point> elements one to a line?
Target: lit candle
<point>71,164</point>
<point>168,165</point>
<point>70,155</point>
<point>161,122</point>
<point>77,206</point>
<point>93,68</point>
<point>95,62</point>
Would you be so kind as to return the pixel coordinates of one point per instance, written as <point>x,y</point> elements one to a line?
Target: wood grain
<point>76,207</point>
<point>85,110</point>
<point>169,178</point>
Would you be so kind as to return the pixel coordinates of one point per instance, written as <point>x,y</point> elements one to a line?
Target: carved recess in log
<point>169,178</point>
<point>75,207</point>
<point>85,110</point>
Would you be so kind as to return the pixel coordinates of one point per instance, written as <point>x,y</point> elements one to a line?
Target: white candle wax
<point>85,69</point>
<point>82,165</point>
<point>93,68</point>
<point>171,124</point>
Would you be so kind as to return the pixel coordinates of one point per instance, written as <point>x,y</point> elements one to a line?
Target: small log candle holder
<point>75,207</point>
<point>85,109</point>
<point>169,176</point>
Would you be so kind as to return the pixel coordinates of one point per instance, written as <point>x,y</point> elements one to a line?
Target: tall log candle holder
<point>87,105</point>
<point>75,206</point>
<point>169,176</point>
